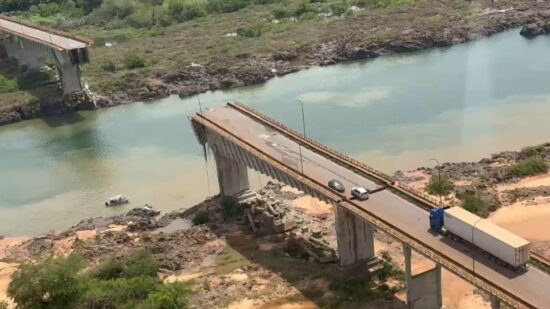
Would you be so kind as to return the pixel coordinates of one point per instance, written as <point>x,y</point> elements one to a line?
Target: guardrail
<point>342,158</point>
<point>474,278</point>
<point>425,201</point>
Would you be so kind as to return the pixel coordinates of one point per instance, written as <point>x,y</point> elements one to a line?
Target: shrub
<point>528,167</point>
<point>182,10</point>
<point>52,282</point>
<point>440,185</point>
<point>134,61</point>
<point>142,17</point>
<point>117,293</point>
<point>230,207</point>
<point>169,296</point>
<point>108,66</point>
<point>476,205</point>
<point>3,304</point>
<point>533,151</point>
<point>8,85</point>
<point>338,8</point>
<point>34,78</point>
<point>113,268</point>
<point>294,9</point>
<point>225,6</point>
<point>201,217</point>
<point>143,264</point>
<point>254,31</point>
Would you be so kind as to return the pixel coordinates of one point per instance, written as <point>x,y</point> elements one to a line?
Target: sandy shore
<point>529,182</point>
<point>7,269</point>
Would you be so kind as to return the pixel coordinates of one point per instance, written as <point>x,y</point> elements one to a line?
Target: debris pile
<point>305,235</point>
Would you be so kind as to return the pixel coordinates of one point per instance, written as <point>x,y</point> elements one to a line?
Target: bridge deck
<point>531,286</point>
<point>50,37</point>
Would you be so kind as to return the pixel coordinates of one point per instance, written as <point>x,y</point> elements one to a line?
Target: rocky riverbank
<point>517,202</point>
<point>279,249</point>
<point>349,38</point>
<point>352,38</point>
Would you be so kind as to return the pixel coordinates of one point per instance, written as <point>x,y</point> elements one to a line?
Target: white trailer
<point>489,237</point>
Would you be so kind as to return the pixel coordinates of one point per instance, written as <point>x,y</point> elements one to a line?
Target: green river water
<point>456,104</point>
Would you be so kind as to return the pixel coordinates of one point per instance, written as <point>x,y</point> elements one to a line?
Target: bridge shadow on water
<point>316,284</point>
<point>62,120</point>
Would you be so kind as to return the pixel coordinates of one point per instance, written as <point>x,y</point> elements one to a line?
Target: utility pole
<point>438,167</point>
<point>304,128</point>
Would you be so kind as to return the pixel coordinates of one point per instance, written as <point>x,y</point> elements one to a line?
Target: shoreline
<point>231,72</point>
<point>231,253</point>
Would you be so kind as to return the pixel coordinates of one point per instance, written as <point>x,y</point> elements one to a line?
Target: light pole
<point>304,130</point>
<point>438,167</point>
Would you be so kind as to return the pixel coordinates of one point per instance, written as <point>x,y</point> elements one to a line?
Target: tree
<point>48,283</point>
<point>440,185</point>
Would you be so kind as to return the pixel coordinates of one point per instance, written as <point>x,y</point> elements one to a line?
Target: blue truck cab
<point>436,219</point>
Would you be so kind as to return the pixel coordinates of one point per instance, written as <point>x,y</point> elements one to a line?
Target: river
<point>455,104</point>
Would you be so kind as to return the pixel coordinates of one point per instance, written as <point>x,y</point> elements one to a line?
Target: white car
<point>360,193</point>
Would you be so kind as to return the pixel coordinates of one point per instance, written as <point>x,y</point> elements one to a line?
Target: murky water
<point>455,104</point>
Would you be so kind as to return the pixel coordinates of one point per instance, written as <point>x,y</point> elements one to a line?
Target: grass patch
<point>529,167</point>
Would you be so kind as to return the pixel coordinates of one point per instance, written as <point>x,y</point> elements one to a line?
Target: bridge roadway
<point>532,287</point>
<point>50,37</point>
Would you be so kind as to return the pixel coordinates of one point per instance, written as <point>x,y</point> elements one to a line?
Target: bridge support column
<point>495,302</point>
<point>355,243</point>
<point>424,285</point>
<point>232,176</point>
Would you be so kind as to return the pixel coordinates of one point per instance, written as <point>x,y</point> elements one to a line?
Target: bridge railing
<point>428,201</point>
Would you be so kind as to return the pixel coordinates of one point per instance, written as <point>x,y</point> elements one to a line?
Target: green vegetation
<point>529,167</point>
<point>231,207</point>
<point>389,270</point>
<point>477,205</point>
<point>151,39</point>
<point>440,185</point>
<point>63,282</point>
<point>8,85</point>
<point>49,283</point>
<point>532,151</point>
<point>201,217</point>
<point>134,61</point>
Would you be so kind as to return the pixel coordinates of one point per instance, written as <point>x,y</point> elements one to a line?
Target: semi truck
<point>501,246</point>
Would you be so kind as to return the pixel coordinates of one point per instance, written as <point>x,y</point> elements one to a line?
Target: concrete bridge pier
<point>355,243</point>
<point>423,284</point>
<point>232,175</point>
<point>495,302</point>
